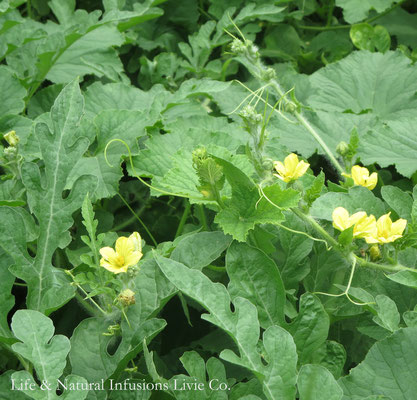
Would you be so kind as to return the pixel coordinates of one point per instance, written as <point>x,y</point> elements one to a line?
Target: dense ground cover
<point>185,209</point>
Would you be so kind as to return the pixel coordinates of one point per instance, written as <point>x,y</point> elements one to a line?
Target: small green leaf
<point>346,237</point>
<point>247,207</point>
<point>388,316</point>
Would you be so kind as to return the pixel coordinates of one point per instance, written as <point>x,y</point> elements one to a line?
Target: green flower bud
<point>268,74</point>
<point>127,298</point>
<point>342,148</point>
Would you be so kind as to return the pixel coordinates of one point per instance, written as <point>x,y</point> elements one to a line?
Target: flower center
<point>119,261</point>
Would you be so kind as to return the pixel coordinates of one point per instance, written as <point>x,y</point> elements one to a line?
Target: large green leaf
<point>200,248</point>
<point>61,145</point>
<point>388,369</point>
<point>391,142</point>
<point>11,93</point>
<point>357,10</point>
<point>89,353</point>
<point>310,328</point>
<point>381,84</point>
<point>125,125</point>
<point>255,276</point>
<point>279,374</point>
<point>357,199</point>
<point>47,353</point>
<point>316,382</point>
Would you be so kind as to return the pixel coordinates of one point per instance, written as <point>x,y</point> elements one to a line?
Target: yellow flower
<point>128,253</point>
<point>387,231</point>
<point>361,177</point>
<point>291,169</point>
<point>363,226</point>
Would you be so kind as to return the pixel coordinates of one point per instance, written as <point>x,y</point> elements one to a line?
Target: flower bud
<point>11,138</point>
<point>136,240</point>
<point>268,74</point>
<point>342,148</point>
<point>127,298</point>
<point>375,252</point>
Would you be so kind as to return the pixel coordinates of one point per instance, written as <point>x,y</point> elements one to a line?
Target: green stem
<point>140,221</point>
<point>81,299</point>
<point>330,13</point>
<point>203,218</point>
<point>184,217</point>
<point>130,220</point>
<point>216,268</point>
<point>383,267</point>
<point>87,306</point>
<point>314,224</point>
<point>29,8</point>
<point>309,128</point>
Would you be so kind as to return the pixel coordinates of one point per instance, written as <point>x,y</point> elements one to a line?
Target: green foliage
<point>152,219</point>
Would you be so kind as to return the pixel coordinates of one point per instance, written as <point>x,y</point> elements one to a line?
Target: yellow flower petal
<point>136,240</point>
<point>372,181</point>
<point>360,176</point>
<point>133,258</point>
<point>301,169</point>
<point>291,162</point>
<point>397,228</point>
<point>124,246</point>
<point>291,169</point>
<point>365,227</point>
<point>387,231</point>
<point>340,218</point>
<point>125,255</point>
<point>107,252</point>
